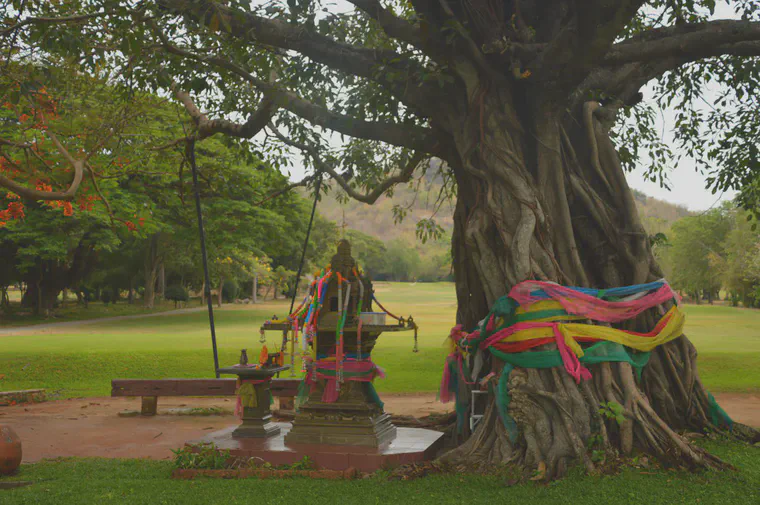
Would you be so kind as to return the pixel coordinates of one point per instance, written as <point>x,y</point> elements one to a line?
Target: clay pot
<point>10,450</point>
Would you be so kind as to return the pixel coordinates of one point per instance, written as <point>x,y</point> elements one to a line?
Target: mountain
<point>658,216</point>
<point>378,220</point>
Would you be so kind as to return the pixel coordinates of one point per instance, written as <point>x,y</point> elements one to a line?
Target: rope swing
<point>190,154</point>
<point>306,241</point>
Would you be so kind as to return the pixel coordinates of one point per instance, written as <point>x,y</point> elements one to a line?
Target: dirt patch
<point>91,427</point>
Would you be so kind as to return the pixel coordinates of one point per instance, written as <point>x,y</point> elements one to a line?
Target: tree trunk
<point>5,301</point>
<point>149,294</point>
<point>162,281</point>
<point>219,294</point>
<point>42,293</point>
<point>546,198</point>
<point>131,293</point>
<point>255,289</point>
<point>150,269</point>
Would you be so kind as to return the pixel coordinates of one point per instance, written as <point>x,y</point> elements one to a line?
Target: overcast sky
<point>688,187</point>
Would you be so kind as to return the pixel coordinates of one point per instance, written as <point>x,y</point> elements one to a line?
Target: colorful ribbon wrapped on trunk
<point>539,313</point>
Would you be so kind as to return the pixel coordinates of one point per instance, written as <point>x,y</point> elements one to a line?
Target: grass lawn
<point>82,360</point>
<point>70,311</point>
<point>141,481</point>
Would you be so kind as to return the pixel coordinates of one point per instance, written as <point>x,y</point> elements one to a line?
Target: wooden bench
<point>151,389</point>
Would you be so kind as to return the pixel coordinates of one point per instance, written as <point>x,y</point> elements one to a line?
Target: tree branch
<point>633,63</point>
<point>413,137</point>
<point>580,45</point>
<point>44,20</point>
<point>355,60</point>
<point>599,24</point>
<point>690,41</point>
<point>35,194</point>
<point>300,184</point>
<point>19,145</point>
<point>100,193</point>
<point>206,127</point>
<point>369,198</point>
<point>397,28</point>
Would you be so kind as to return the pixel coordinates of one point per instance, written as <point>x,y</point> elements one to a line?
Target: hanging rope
<point>190,153</point>
<point>306,241</point>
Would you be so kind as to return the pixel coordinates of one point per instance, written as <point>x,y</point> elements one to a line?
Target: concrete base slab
<point>411,445</point>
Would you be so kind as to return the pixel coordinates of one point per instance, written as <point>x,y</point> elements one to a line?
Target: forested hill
<point>658,215</point>
<point>378,220</point>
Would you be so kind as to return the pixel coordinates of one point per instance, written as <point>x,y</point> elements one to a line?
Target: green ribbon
<point>718,416</point>
<point>597,353</point>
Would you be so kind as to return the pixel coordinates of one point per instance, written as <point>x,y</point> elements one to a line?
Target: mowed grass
<point>82,360</point>
<point>70,311</point>
<point>128,482</point>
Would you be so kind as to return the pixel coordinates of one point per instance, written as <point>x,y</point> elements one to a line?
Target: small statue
<point>243,357</point>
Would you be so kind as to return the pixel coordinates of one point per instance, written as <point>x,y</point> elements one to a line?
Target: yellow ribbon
<point>570,331</point>
<point>247,394</point>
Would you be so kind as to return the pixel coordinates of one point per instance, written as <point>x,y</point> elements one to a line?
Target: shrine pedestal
<point>354,419</point>
<point>256,424</point>
<point>256,421</point>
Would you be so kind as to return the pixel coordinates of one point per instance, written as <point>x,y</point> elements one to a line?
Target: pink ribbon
<point>569,359</point>
<point>330,393</point>
<point>589,306</point>
<point>446,379</point>
<point>445,394</point>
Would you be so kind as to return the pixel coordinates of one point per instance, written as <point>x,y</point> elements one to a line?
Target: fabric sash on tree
<point>538,313</point>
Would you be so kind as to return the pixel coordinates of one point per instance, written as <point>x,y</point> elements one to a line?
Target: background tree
<point>696,244</point>
<point>740,264</point>
<point>518,98</point>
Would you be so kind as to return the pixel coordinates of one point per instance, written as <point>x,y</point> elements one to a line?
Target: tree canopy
<point>377,73</point>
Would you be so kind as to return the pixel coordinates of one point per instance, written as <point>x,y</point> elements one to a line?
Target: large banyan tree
<point>535,107</point>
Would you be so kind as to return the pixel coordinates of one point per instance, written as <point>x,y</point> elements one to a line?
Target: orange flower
<point>41,186</point>
<point>16,210</point>
<point>23,118</point>
<point>67,209</point>
<point>130,225</point>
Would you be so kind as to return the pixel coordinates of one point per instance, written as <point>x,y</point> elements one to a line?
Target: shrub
<point>106,296</point>
<point>176,293</point>
<point>230,291</point>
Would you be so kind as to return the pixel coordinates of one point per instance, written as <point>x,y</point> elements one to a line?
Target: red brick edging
<point>265,473</point>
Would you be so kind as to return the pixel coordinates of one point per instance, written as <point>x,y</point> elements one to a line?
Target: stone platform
<point>411,445</point>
